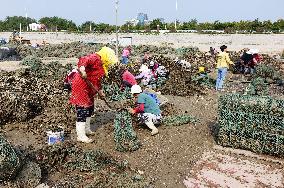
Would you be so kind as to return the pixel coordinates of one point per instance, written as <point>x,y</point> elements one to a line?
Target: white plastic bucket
<point>55,137</point>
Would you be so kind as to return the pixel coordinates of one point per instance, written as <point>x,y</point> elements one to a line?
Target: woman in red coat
<point>92,68</point>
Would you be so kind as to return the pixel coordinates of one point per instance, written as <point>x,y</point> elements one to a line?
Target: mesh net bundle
<point>124,134</point>
<point>177,120</point>
<point>252,122</point>
<point>10,162</point>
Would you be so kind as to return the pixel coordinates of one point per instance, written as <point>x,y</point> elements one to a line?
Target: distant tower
<point>142,18</point>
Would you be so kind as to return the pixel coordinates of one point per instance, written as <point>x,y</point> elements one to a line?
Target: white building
<point>35,27</point>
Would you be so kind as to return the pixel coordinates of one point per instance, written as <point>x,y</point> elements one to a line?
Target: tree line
<point>55,23</point>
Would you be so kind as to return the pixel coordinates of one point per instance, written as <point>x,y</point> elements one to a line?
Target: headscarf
<point>108,58</point>
<point>143,68</point>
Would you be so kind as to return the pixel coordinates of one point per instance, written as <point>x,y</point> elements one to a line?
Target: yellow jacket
<point>223,60</point>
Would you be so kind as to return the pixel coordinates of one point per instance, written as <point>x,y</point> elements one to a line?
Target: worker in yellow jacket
<point>223,62</point>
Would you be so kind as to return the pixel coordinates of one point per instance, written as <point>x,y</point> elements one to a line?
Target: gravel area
<point>263,42</point>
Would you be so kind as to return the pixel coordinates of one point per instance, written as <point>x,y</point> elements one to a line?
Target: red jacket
<point>82,95</point>
<point>127,76</point>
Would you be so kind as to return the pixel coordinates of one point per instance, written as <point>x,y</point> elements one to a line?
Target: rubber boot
<point>152,127</point>
<point>81,132</point>
<point>88,127</point>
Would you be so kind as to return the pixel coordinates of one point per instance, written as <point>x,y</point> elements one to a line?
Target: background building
<point>142,18</point>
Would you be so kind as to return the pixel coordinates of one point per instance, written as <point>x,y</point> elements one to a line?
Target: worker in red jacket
<point>91,68</point>
<point>128,79</point>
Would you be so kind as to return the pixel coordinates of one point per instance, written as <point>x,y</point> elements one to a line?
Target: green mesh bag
<point>254,123</point>
<point>124,135</point>
<point>10,162</point>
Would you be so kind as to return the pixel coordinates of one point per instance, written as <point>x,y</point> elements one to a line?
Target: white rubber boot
<point>88,127</point>
<point>152,127</point>
<point>81,133</point>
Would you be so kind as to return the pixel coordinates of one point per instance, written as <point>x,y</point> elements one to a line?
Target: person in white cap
<point>147,109</point>
<point>249,61</point>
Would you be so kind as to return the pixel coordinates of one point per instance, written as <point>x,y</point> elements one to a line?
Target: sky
<point>103,11</point>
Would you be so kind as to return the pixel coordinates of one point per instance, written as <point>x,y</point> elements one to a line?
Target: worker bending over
<point>128,79</point>
<point>86,84</point>
<point>147,109</point>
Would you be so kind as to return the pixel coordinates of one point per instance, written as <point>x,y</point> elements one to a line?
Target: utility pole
<point>27,19</point>
<point>20,34</point>
<point>116,27</point>
<point>176,15</point>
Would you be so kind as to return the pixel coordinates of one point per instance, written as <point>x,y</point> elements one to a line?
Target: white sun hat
<point>253,51</point>
<point>143,68</point>
<point>135,89</point>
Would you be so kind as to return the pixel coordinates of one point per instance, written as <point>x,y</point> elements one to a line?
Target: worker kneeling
<point>147,109</point>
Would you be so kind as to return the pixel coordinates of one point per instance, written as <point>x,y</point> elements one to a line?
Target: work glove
<point>83,72</point>
<point>131,110</point>
<point>101,93</point>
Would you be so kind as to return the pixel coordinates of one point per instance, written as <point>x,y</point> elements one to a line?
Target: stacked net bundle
<point>257,87</point>
<point>124,135</point>
<point>10,162</point>
<point>252,122</point>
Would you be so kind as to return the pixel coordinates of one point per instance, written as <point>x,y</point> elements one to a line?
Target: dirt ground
<point>179,156</point>
<point>235,42</point>
<point>174,156</point>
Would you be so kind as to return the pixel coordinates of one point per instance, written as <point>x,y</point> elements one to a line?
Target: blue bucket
<point>55,137</point>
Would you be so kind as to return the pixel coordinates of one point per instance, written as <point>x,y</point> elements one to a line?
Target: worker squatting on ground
<point>91,69</point>
<point>147,109</point>
<point>223,62</point>
<point>145,74</point>
<point>128,79</point>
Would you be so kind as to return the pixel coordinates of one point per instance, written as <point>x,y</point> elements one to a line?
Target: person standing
<point>223,62</point>
<point>125,55</point>
<point>86,84</point>
<point>147,109</point>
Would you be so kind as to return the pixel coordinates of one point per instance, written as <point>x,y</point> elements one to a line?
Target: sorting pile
<point>197,58</point>
<point>252,122</point>
<point>180,81</point>
<point>20,98</point>
<point>11,162</point>
<point>124,136</point>
<point>92,168</point>
<point>35,95</point>
<point>75,49</point>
